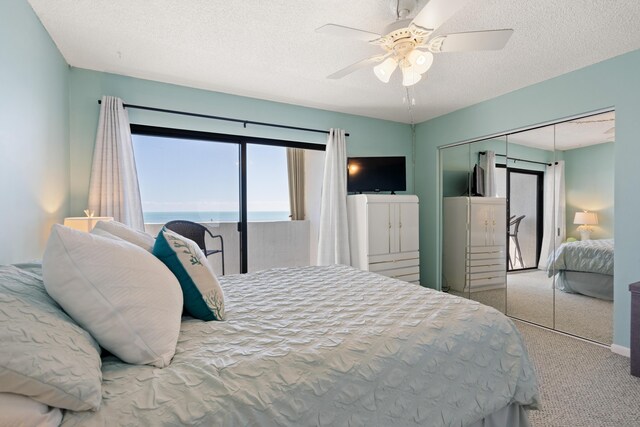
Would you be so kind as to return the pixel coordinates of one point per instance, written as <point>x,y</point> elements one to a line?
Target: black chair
<point>515,222</point>
<point>197,233</point>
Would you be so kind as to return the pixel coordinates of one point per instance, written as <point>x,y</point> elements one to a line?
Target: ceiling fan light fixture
<point>384,70</point>
<point>420,61</point>
<point>410,76</point>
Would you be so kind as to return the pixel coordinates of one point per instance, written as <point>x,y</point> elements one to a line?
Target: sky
<point>178,175</point>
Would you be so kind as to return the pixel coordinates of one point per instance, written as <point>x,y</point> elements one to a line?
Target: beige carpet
<point>581,384</point>
<point>530,297</point>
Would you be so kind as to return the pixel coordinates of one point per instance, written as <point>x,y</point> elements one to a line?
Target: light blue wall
<point>589,186</point>
<point>457,161</point>
<point>609,84</point>
<point>369,137</point>
<point>34,131</point>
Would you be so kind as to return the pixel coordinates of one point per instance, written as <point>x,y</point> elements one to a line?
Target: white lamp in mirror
<point>585,220</point>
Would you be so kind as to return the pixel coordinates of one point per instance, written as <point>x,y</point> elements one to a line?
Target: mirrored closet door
<point>474,222</point>
<point>527,224</point>
<point>530,180</point>
<point>583,264</point>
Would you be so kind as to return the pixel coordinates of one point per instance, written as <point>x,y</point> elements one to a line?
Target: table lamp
<point>585,220</point>
<point>85,223</point>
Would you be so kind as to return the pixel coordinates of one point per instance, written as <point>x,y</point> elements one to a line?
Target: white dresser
<point>474,243</point>
<point>383,234</point>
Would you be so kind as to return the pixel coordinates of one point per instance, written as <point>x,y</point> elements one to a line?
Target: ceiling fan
<point>409,45</point>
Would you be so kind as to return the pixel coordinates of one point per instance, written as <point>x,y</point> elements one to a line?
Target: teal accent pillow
<point>203,296</point>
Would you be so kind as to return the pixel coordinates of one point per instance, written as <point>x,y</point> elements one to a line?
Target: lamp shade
<point>384,70</point>
<point>585,218</point>
<point>85,223</point>
<point>410,76</point>
<point>420,61</point>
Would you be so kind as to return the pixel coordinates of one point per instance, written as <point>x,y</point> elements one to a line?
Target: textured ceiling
<point>270,50</point>
<point>576,133</point>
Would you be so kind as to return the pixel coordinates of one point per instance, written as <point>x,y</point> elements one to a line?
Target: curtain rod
<point>515,159</point>
<point>228,119</point>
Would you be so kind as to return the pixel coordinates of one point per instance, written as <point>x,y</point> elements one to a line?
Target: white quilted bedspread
<point>326,346</point>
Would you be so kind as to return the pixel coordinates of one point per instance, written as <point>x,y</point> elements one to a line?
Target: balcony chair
<point>197,233</point>
<point>515,222</point>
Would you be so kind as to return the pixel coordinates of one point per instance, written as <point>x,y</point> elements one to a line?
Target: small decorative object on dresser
<point>383,234</point>
<point>635,328</point>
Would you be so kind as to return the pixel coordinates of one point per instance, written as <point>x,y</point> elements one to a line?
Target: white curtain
<point>488,163</point>
<point>555,228</point>
<point>113,189</point>
<point>333,239</point>
<point>295,173</point>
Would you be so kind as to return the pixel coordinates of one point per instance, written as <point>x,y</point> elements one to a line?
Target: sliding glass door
<point>525,217</point>
<point>274,238</point>
<point>195,180</point>
<point>239,188</point>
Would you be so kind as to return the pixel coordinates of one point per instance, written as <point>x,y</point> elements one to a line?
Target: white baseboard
<point>622,351</point>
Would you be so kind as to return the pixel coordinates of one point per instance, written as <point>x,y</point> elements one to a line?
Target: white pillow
<point>124,296</point>
<point>17,410</point>
<point>118,229</point>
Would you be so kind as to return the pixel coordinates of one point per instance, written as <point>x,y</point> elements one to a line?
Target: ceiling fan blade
<point>436,12</point>
<point>475,40</point>
<point>354,67</point>
<point>611,130</point>
<point>342,31</point>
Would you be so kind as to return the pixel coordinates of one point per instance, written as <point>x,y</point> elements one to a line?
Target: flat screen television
<point>375,174</point>
<point>477,181</point>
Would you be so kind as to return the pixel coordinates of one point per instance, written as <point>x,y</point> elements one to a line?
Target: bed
<point>327,346</point>
<point>584,267</point>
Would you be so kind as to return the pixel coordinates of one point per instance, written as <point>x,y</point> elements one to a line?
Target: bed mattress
<point>589,256</point>
<point>591,284</point>
<point>326,346</point>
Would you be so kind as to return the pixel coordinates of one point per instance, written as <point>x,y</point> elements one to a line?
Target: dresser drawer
<point>497,282</point>
<point>396,272</point>
<point>379,266</point>
<point>486,275</point>
<point>486,255</point>
<point>412,278</point>
<point>497,268</point>
<point>484,249</point>
<point>498,262</point>
<point>396,256</point>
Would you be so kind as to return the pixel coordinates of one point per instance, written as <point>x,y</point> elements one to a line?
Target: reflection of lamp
<point>85,223</point>
<point>586,220</point>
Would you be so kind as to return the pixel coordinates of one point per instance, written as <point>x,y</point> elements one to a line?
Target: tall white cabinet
<point>474,243</point>
<point>383,234</point>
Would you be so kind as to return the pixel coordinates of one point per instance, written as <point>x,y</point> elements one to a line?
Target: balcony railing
<point>270,244</point>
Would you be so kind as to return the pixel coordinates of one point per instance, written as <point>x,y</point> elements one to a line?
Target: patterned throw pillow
<point>203,296</point>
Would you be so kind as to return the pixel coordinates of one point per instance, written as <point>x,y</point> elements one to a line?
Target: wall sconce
<point>585,220</point>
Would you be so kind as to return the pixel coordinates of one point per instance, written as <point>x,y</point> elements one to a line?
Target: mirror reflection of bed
<point>569,247</point>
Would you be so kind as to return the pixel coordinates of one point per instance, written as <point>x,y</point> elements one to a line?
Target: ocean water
<point>214,216</point>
